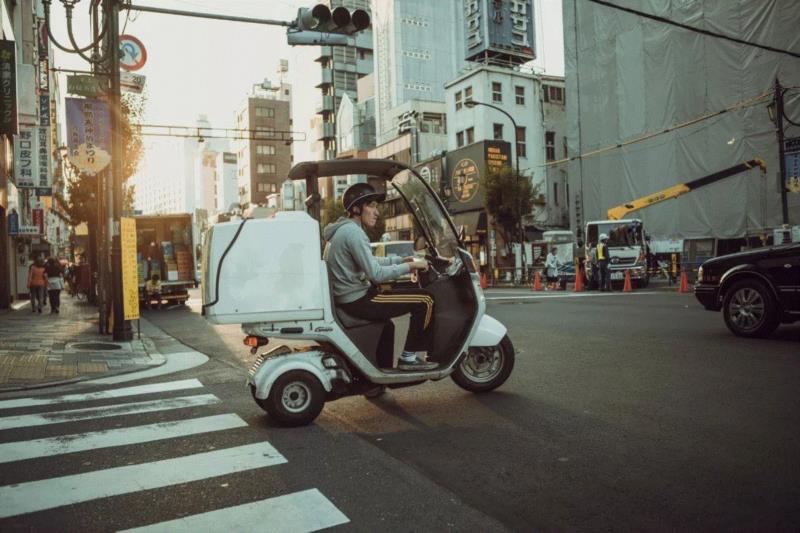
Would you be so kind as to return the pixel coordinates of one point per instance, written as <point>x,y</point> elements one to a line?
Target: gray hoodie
<point>351,263</point>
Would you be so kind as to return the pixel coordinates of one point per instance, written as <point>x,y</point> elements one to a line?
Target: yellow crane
<point>620,211</point>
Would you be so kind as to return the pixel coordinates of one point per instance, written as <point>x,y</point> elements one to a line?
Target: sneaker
<point>417,365</point>
<point>378,390</point>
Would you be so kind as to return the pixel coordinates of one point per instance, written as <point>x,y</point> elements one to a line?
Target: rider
<point>355,272</point>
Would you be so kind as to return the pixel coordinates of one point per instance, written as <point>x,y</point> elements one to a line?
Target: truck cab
<point>627,248</point>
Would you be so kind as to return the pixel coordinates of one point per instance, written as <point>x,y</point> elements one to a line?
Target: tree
<point>507,197</point>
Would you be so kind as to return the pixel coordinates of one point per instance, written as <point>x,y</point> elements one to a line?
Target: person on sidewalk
<point>551,266</point>
<point>55,283</point>
<point>153,291</point>
<point>37,283</point>
<point>602,263</point>
<point>355,272</point>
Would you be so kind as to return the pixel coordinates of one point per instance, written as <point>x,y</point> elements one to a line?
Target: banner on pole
<point>88,134</point>
<point>130,276</point>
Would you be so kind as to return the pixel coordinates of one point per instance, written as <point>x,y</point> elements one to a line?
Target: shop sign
<point>43,150</point>
<point>13,223</point>
<point>26,158</point>
<point>88,134</point>
<point>792,164</point>
<point>28,231</point>
<point>37,216</point>
<point>8,88</point>
<point>44,109</point>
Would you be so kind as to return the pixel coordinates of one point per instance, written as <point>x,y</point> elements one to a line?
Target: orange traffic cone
<point>484,284</point>
<point>537,282</point>
<point>627,287</point>
<point>578,280</point>
<point>684,282</point>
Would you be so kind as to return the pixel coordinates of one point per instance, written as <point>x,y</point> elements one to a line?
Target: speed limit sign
<point>132,55</point>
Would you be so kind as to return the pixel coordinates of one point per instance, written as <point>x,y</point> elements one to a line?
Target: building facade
<point>265,158</point>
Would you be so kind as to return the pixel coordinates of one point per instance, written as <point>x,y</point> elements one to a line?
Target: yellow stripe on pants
<point>408,298</point>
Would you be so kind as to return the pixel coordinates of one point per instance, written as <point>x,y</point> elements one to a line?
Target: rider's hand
<point>418,264</point>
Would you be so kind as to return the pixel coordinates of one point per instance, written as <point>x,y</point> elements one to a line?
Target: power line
<point>692,28</point>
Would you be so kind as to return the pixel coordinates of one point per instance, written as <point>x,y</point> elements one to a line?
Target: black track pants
<point>388,304</point>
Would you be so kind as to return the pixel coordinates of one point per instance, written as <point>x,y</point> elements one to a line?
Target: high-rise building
<point>419,46</point>
<point>264,159</point>
<point>342,66</point>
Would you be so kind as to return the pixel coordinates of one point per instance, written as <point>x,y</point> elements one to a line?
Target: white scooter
<point>269,276</point>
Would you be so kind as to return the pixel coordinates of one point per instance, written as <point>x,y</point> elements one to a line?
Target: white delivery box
<point>271,273</point>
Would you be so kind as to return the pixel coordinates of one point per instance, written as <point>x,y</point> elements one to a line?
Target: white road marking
<point>308,510</point>
<point>175,363</point>
<point>568,295</point>
<point>63,444</point>
<point>57,417</point>
<point>104,394</point>
<point>35,496</point>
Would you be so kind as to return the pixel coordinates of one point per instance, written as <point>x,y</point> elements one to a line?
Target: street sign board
<point>132,54</point>
<point>89,86</point>
<point>130,82</point>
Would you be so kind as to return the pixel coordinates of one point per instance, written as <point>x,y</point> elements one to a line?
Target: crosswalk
<point>305,510</point>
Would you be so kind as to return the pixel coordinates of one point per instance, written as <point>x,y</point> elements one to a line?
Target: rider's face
<point>369,214</point>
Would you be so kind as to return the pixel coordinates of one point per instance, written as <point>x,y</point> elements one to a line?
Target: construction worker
<point>602,263</point>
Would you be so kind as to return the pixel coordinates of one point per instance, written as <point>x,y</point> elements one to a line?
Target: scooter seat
<point>350,321</point>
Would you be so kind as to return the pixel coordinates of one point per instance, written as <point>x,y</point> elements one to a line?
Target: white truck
<point>627,249</point>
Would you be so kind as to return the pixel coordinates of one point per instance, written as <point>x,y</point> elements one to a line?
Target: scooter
<point>269,276</point>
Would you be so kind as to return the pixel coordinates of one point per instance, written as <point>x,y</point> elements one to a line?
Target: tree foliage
<point>507,198</point>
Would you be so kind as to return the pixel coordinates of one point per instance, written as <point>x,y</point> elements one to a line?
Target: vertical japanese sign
<point>44,182</point>
<point>37,216</point>
<point>26,158</point>
<point>792,164</point>
<point>44,74</point>
<point>130,278</point>
<point>88,134</point>
<point>8,89</point>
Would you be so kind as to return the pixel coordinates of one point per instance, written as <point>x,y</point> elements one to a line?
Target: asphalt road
<point>626,412</point>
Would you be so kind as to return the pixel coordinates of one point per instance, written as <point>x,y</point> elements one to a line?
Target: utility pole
<point>781,149</point>
<point>122,330</point>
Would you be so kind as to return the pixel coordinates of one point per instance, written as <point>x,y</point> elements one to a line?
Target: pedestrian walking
<point>37,284</point>
<point>602,263</point>
<point>55,283</point>
<point>551,267</point>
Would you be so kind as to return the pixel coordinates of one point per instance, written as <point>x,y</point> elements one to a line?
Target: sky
<point>198,66</point>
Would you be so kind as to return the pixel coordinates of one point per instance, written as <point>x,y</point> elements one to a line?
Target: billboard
<point>465,168</point>
<point>499,29</point>
<point>88,134</point>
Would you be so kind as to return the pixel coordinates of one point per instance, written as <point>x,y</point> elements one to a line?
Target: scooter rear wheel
<point>295,399</point>
<point>486,368</point>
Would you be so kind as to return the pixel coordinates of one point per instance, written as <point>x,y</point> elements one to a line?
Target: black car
<point>756,290</point>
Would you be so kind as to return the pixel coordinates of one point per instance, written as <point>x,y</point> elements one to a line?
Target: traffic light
<point>321,26</point>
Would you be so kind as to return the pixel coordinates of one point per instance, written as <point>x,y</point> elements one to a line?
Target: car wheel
<point>749,309</point>
<point>295,399</point>
<point>484,369</point>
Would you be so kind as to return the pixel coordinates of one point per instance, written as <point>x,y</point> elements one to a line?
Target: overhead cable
<point>692,28</point>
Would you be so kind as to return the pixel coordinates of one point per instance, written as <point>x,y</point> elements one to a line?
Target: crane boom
<point>620,211</point>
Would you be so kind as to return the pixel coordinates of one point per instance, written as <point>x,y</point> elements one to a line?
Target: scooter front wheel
<point>295,399</point>
<point>484,369</point>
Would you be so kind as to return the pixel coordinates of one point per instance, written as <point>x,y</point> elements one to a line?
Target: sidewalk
<point>45,349</point>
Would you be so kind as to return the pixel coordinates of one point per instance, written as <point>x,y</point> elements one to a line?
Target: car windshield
<point>391,249</point>
<point>619,233</point>
<point>428,212</point>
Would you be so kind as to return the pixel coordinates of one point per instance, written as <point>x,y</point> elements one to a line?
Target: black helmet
<point>360,193</point>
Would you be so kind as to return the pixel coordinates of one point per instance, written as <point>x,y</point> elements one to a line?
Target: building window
<point>470,135</point>
<point>519,93</point>
<point>497,131</point>
<point>266,112</point>
<point>553,94</point>
<point>263,187</point>
<point>467,94</point>
<point>263,132</point>
<point>265,168</point>
<point>521,142</point>
<point>458,100</point>
<point>550,145</point>
<point>497,92</point>
<point>460,139</point>
<point>265,149</point>
<point>555,194</point>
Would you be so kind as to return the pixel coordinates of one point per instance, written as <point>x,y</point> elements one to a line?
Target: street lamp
<point>472,103</point>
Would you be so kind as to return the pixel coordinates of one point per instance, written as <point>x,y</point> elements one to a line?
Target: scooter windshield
<point>428,212</point>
